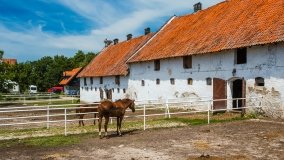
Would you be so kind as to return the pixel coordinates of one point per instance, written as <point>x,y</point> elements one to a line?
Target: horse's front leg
<point>95,116</point>
<point>120,121</point>
<point>106,123</point>
<point>117,124</point>
<point>100,125</point>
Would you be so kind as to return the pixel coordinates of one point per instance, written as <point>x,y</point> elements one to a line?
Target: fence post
<point>47,118</point>
<point>208,114</point>
<point>167,114</point>
<point>237,102</point>
<point>65,122</point>
<point>24,100</point>
<point>49,98</point>
<point>144,113</point>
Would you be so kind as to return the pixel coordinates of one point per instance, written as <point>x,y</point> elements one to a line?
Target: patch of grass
<point>52,141</point>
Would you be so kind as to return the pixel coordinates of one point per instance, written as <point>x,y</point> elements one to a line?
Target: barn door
<point>109,94</point>
<point>219,92</point>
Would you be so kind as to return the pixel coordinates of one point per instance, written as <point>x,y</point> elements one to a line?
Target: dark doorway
<point>238,91</point>
<point>109,94</point>
<point>219,92</point>
<point>101,94</point>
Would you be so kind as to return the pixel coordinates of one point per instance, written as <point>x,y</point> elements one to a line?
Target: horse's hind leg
<point>100,125</point>
<point>106,123</point>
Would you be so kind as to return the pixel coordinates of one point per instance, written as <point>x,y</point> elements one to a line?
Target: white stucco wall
<point>91,93</point>
<point>265,61</point>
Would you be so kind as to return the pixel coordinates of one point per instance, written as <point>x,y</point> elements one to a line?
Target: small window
<point>241,56</point>
<point>189,81</point>
<point>95,88</point>
<point>101,80</point>
<point>117,80</point>
<point>124,90</point>
<point>118,90</point>
<point>172,81</point>
<point>187,62</point>
<point>91,79</point>
<point>209,81</point>
<point>157,81</point>
<point>85,81</point>
<point>259,81</point>
<point>113,90</point>
<point>142,83</point>
<point>91,88</point>
<point>156,65</point>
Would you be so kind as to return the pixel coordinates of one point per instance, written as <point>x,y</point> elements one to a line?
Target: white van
<point>32,89</point>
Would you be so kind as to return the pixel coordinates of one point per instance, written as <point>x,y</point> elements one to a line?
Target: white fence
<point>46,115</point>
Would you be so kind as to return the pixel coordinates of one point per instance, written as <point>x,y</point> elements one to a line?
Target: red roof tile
<point>227,25</point>
<point>112,60</point>
<point>69,75</point>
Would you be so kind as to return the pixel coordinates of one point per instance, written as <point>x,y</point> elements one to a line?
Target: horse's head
<point>132,105</point>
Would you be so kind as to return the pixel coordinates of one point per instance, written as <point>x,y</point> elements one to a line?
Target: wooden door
<point>219,92</point>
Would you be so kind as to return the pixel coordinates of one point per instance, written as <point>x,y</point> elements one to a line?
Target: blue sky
<point>31,29</point>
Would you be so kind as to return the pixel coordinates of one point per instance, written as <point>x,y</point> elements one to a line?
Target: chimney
<point>129,36</point>
<point>147,31</point>
<point>107,42</point>
<point>115,41</point>
<point>197,7</point>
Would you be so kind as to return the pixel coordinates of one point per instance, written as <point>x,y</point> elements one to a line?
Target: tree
<point>1,54</point>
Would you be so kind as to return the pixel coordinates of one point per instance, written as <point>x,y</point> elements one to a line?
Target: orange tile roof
<point>112,60</point>
<point>69,75</point>
<point>9,61</point>
<point>227,25</point>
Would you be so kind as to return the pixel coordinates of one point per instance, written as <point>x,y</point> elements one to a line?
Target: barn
<point>106,76</point>
<point>234,49</point>
<point>69,81</point>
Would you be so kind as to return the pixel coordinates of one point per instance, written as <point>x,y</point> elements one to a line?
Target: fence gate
<point>219,92</point>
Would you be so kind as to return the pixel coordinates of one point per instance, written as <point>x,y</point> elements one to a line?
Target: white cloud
<point>113,23</point>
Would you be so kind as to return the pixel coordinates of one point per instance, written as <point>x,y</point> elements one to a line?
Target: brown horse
<point>114,109</point>
<point>81,112</point>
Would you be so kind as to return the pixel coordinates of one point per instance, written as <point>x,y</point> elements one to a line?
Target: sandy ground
<point>242,140</point>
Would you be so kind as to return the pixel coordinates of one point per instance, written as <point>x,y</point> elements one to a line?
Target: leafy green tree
<point>1,54</point>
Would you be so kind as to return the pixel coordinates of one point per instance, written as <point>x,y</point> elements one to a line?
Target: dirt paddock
<point>250,139</point>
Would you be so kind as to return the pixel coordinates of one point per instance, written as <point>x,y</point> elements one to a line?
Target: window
<point>259,81</point>
<point>85,81</point>
<point>95,88</point>
<point>209,81</point>
<point>187,62</point>
<point>117,80</point>
<point>101,80</point>
<point>172,81</point>
<point>156,65</point>
<point>92,81</point>
<point>91,88</point>
<point>124,90</point>
<point>189,81</point>
<point>241,56</point>
<point>157,81</point>
<point>142,83</point>
<point>118,90</point>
